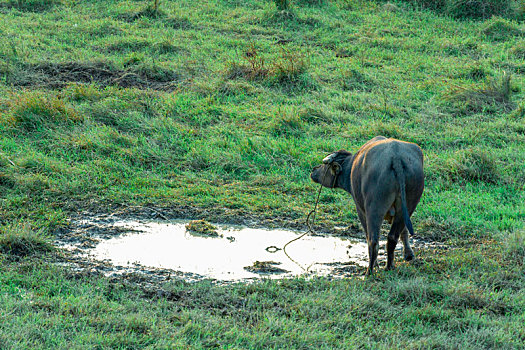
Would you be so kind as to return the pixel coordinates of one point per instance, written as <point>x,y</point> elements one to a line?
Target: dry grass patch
<point>33,110</point>
<point>472,164</point>
<point>491,97</point>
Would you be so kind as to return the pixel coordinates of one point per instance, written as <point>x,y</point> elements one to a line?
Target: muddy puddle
<point>181,249</point>
<point>233,254</point>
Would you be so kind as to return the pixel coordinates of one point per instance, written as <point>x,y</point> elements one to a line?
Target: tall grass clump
<point>20,240</point>
<point>499,29</point>
<point>34,110</point>
<point>472,165</point>
<point>491,97</point>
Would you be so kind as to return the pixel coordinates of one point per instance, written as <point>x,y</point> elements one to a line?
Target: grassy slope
<point>245,146</point>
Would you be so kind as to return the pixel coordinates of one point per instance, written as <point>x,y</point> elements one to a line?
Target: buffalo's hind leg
<point>393,236</point>
<point>408,253</point>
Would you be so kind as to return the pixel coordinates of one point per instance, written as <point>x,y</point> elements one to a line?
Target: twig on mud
<point>117,80</point>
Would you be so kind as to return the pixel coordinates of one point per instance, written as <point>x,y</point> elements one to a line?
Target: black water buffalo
<point>385,178</point>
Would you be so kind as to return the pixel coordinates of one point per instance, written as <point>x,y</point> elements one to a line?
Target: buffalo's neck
<point>344,178</point>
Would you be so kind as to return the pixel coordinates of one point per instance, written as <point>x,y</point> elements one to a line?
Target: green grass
<point>223,107</point>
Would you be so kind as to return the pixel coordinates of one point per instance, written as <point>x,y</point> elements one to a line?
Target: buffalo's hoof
<point>409,257</point>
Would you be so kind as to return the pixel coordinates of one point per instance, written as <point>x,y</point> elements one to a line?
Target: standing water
<point>235,254</point>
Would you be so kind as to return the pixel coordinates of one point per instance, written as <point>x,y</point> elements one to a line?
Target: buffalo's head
<point>327,173</point>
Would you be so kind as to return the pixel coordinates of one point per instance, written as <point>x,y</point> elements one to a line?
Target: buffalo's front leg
<point>374,225</point>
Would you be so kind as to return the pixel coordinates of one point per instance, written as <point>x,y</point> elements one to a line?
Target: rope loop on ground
<point>309,223</point>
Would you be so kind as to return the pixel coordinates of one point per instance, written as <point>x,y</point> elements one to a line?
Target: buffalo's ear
<point>335,169</point>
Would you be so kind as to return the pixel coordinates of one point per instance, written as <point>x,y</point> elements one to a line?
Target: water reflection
<point>168,245</point>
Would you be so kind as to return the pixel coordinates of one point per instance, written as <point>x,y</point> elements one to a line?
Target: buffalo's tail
<point>400,176</point>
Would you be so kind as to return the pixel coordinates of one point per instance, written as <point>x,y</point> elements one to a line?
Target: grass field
<point>220,109</point>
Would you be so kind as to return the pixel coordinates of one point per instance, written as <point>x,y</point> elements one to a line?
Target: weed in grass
<point>156,5</point>
<point>33,110</point>
<point>20,240</point>
<point>253,68</point>
<point>153,72</point>
<point>465,47</point>
<point>518,113</point>
<point>490,97</point>
<point>387,129</point>
<point>466,296</point>
<point>289,67</point>
<point>344,53</point>
<point>287,70</point>
<point>499,29</point>
<point>472,164</point>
